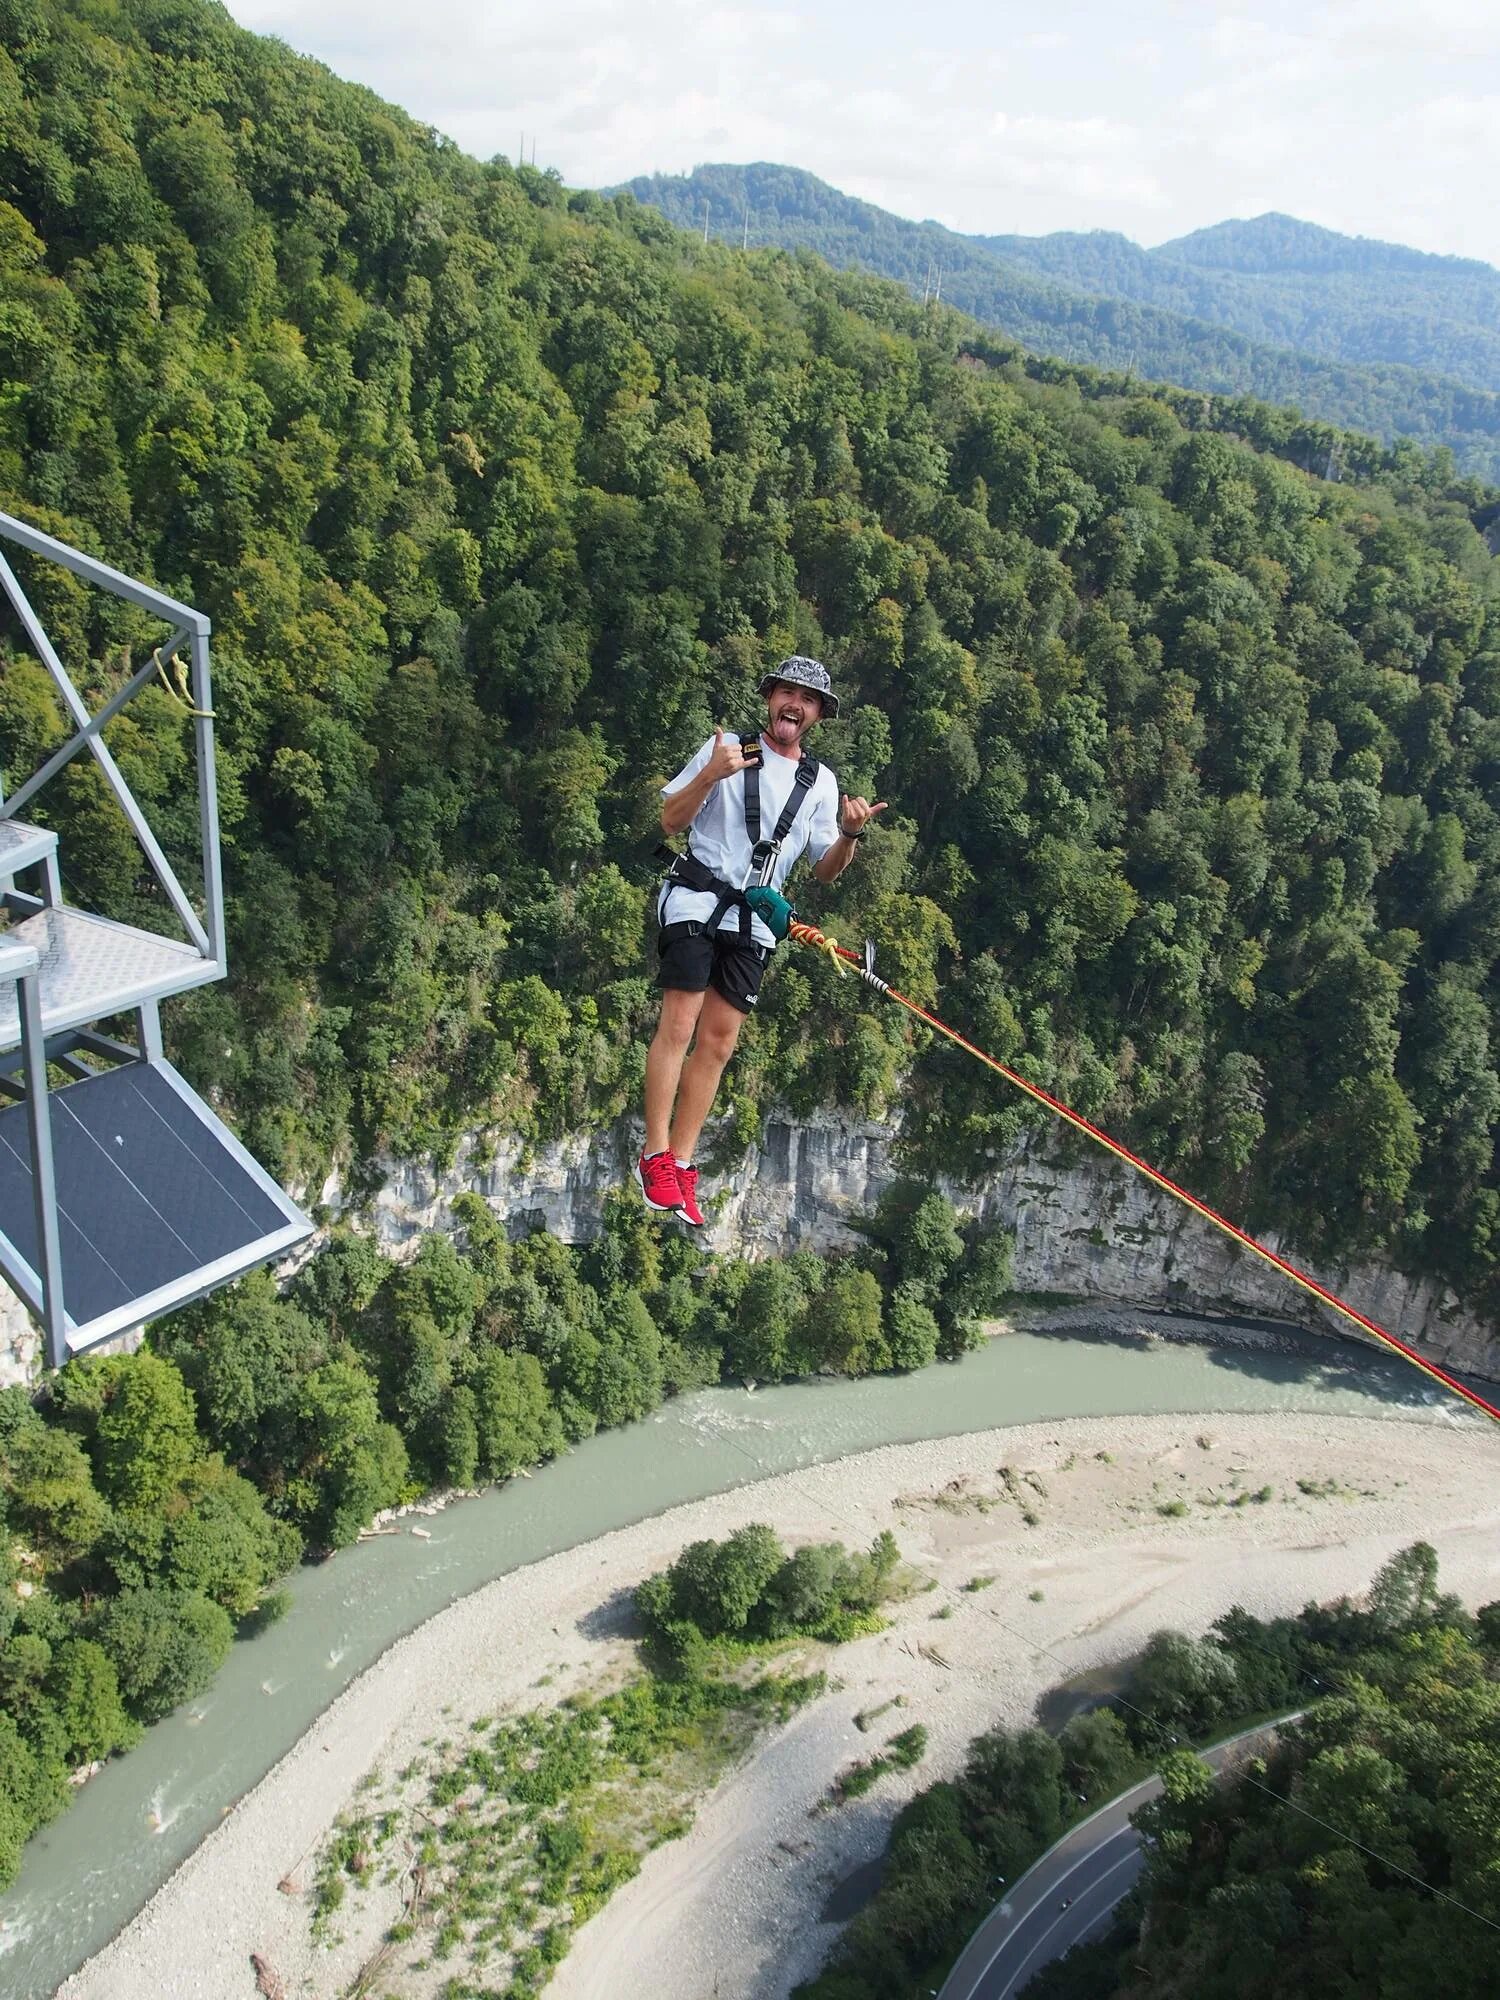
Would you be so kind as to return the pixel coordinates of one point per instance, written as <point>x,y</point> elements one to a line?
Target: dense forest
<point>501,496</point>
<point>1287,282</point>
<point>1360,1856</point>
<point>1373,351</point>
<point>151,1501</point>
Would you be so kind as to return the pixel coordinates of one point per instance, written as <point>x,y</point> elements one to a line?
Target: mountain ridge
<point>1098,298</point>
<point>1247,232</point>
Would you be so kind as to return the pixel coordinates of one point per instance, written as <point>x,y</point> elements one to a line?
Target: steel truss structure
<point>121,1193</point>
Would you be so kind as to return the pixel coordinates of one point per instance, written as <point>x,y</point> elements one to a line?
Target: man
<point>751,809</point>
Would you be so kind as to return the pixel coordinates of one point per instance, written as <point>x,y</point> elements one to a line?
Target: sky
<point>1376,117</point>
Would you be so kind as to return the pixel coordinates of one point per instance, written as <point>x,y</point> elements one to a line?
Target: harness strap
<point>688,872</point>
<point>803,780</point>
<point>752,787</point>
<point>691,873</point>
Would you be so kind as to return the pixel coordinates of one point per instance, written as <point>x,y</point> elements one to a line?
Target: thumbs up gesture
<point>727,757</point>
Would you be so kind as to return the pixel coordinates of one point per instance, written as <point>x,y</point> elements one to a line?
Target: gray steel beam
<point>94,571</point>
<point>59,1046</point>
<point>208,798</point>
<point>147,1034</point>
<point>113,776</point>
<point>44,1186</point>
<point>91,728</point>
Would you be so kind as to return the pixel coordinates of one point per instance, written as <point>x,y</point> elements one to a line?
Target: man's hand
<point>728,756</point>
<point>680,809</point>
<point>855,815</point>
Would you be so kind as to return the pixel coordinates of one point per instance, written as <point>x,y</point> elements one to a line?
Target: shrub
<point>166,1646</point>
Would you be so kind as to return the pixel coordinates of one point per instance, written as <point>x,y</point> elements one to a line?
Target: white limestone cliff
<point>1087,1228</point>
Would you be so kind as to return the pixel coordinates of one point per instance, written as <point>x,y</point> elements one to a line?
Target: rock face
<point>21,1342</point>
<point>1087,1228</point>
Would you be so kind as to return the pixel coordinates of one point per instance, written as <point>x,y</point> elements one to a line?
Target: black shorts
<point>730,964</point>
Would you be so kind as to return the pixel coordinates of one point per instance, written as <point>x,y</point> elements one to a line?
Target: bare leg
<point>679,1015</point>
<point>719,1027</point>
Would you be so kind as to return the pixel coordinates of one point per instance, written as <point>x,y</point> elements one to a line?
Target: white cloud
<point>1360,114</point>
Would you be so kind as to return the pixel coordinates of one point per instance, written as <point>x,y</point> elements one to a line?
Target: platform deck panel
<point>91,968</point>
<point>22,846</point>
<point>149,1189</point>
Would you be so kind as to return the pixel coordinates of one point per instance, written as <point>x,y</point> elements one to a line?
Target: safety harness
<point>688,872</point>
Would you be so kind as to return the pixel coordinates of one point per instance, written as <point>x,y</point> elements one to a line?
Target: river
<point>86,1875</point>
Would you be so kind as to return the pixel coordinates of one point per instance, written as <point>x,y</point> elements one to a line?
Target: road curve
<point>1072,1890</point>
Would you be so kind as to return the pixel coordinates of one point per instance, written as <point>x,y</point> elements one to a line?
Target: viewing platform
<point>122,1195</point>
<point>91,968</point>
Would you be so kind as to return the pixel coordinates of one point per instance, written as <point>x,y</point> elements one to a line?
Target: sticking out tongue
<point>785,729</point>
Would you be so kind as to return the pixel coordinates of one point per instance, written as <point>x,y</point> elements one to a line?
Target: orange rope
<point>808,934</point>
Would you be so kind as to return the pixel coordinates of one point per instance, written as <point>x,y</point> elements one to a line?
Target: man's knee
<point>679,1017</point>
<point>718,1032</point>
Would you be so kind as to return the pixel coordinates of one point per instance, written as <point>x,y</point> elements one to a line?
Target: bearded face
<point>791,712</point>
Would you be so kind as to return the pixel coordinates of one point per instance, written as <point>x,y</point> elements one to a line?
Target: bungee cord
<point>840,956</point>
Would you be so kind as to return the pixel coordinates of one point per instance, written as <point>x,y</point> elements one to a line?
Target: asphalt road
<point>1069,1894</point>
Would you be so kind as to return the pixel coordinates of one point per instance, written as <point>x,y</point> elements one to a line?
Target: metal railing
<point>190,629</point>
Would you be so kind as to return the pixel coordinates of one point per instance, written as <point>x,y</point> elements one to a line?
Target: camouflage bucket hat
<point>799,671</point>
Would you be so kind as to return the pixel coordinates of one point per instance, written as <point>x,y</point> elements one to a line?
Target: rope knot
<point>809,934</point>
<point>176,685</point>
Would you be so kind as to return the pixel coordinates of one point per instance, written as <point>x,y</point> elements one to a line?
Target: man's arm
<point>681,808</point>
<point>854,816</point>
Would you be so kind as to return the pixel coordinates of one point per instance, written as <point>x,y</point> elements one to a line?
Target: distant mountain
<point>1290,283</point>
<point>1373,336</point>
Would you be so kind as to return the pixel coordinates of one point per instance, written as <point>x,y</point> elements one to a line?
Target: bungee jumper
<point>713,945</point>
<point>710,969</point>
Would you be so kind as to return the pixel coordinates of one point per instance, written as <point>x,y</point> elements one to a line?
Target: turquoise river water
<point>85,1875</point>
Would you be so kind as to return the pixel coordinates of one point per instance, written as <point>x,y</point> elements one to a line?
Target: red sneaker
<point>658,1179</point>
<point>687,1187</point>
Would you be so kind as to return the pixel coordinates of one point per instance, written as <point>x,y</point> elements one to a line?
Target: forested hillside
<point>1378,354</point>
<point>1279,280</point>
<point>500,496</point>
<point>1363,1859</point>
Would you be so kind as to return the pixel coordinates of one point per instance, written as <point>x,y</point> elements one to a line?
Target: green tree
<point>85,1689</point>
<point>223,1544</point>
<point>717,1585</point>
<point>912,1334</point>
<point>49,1491</point>
<point>1183,1685</point>
<point>139,1424</point>
<point>350,1464</point>
<point>517,1423</point>
<point>920,1232</point>
<point>848,1321</point>
<point>165,1646</point>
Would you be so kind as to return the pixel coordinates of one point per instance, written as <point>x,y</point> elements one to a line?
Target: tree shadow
<point>1266,1349</point>
<point>615,1618</point>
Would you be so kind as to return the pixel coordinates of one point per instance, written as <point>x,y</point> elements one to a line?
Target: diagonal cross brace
<point>106,715</point>
<point>88,728</point>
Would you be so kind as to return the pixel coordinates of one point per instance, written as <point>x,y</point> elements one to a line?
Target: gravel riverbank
<point>1066,1518</point>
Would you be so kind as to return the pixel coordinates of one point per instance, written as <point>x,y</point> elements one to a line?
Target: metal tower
<point>121,1194</point>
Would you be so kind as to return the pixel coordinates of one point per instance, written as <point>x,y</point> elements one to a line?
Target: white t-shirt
<point>718,837</point>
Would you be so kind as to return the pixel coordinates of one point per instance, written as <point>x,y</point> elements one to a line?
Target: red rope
<point>808,934</point>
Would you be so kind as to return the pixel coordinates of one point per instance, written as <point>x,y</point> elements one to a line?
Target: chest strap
<point>763,852</point>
